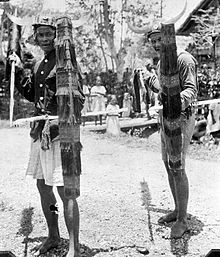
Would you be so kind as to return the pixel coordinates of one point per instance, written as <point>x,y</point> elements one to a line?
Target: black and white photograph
<point>109,128</point>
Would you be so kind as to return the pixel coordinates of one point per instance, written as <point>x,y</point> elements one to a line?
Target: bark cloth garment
<point>187,69</point>
<point>40,88</point>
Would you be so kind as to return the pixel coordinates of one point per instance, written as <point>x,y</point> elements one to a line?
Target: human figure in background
<point>144,95</point>
<point>98,93</point>
<point>213,119</point>
<point>130,90</point>
<point>126,76</point>
<point>119,92</point>
<point>86,93</point>
<point>137,86</point>
<point>199,130</point>
<point>150,74</point>
<point>112,121</point>
<point>127,103</point>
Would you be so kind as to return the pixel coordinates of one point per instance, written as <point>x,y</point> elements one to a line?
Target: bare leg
<point>172,215</point>
<point>71,214</point>
<point>182,194</point>
<point>48,202</point>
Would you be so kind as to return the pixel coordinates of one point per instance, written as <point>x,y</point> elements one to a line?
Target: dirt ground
<point>124,190</point>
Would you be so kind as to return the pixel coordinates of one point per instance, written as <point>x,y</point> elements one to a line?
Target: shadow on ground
<point>26,226</point>
<point>30,244</point>
<point>178,247</point>
<point>62,249</point>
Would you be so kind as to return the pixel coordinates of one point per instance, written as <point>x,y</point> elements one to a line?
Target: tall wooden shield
<point>70,103</point>
<point>169,77</point>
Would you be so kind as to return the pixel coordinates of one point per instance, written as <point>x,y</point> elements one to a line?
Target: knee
<point>174,172</point>
<point>178,173</point>
<point>64,199</point>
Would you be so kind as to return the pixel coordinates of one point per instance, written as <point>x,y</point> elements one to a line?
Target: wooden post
<point>70,104</point>
<point>170,95</point>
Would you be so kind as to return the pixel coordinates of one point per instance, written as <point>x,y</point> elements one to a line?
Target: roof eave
<point>203,4</point>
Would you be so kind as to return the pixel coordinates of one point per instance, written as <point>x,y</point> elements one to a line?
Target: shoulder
<point>186,58</point>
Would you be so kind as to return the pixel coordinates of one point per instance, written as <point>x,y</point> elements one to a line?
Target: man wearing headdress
<point>177,177</point>
<point>187,93</point>
<point>45,162</point>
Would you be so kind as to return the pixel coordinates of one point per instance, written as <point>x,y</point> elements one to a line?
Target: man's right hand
<point>154,83</point>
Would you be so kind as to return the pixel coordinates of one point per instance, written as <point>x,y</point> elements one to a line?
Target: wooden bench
<point>99,115</point>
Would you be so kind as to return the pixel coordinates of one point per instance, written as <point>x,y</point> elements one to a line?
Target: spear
<point>13,49</point>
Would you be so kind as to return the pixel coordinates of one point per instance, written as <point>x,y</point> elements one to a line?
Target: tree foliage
<point>102,41</point>
<point>207,27</point>
<point>143,12</point>
<point>109,33</point>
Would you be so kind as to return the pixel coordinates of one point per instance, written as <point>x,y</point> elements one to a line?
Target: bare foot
<point>178,229</point>
<point>170,217</point>
<point>46,246</point>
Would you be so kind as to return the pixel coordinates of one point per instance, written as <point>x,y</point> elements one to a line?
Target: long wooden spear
<point>12,78</point>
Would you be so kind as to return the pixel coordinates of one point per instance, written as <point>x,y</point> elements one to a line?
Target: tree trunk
<point>103,52</point>
<point>116,58</point>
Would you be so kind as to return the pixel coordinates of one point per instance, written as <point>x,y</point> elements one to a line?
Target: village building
<point>209,51</point>
<point>204,44</point>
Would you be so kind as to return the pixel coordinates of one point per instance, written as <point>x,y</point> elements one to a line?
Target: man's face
<point>155,40</point>
<point>45,38</point>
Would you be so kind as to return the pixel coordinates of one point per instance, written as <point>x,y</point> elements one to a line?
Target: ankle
<point>53,236</point>
<point>182,220</point>
<point>175,211</point>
